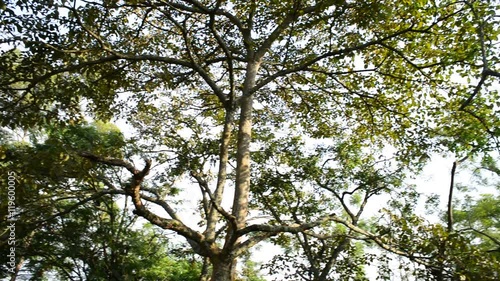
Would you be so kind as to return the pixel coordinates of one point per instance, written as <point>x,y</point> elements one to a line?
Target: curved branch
<point>109,161</point>
<point>134,191</point>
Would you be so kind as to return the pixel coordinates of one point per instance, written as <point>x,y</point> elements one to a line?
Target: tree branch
<point>110,161</point>
<point>229,59</point>
<point>134,191</point>
<point>493,239</point>
<point>303,66</point>
<point>293,15</point>
<point>73,207</point>
<point>203,183</point>
<point>221,175</point>
<point>486,70</point>
<point>282,228</point>
<point>450,198</point>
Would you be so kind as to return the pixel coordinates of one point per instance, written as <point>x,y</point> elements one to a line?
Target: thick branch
<point>266,231</point>
<point>490,72</point>
<point>109,161</point>
<point>221,175</point>
<point>289,18</point>
<point>334,256</point>
<point>134,191</point>
<point>242,189</point>
<point>249,243</point>
<point>275,229</point>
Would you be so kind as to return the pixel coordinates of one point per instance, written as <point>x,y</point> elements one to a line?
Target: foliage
<point>481,216</point>
<point>477,217</point>
<point>301,112</point>
<point>445,256</point>
<point>97,244</point>
<point>250,272</point>
<point>96,240</point>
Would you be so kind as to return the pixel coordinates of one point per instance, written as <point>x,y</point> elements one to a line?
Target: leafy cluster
<point>279,121</point>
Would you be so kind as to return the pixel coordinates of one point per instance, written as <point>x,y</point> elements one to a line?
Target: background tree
<point>67,229</point>
<point>197,79</point>
<point>48,185</point>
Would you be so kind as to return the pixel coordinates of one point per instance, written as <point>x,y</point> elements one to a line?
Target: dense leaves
<point>299,113</point>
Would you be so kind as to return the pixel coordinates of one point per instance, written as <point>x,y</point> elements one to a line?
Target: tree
<point>99,245</point>
<point>213,87</point>
<point>480,219</point>
<point>46,185</point>
<point>66,238</point>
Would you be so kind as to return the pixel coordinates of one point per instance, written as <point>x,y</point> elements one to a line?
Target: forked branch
<point>133,190</point>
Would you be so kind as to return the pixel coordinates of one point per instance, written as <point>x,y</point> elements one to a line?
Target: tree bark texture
<point>223,268</point>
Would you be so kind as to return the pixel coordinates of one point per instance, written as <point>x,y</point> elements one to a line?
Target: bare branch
<point>492,73</point>
<point>476,91</point>
<point>341,198</point>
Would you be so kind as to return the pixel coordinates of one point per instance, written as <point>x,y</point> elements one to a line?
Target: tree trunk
<point>223,268</point>
<point>205,274</point>
<point>213,215</point>
<point>240,204</point>
<point>242,190</point>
